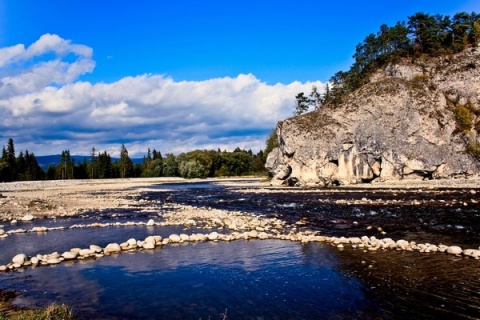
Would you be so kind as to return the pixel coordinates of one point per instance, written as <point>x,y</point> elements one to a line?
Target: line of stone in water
<point>21,260</point>
<point>243,226</point>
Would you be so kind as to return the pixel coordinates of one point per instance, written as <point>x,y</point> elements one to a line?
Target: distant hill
<point>45,161</point>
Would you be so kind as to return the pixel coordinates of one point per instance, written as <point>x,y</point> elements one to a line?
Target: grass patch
<point>52,312</point>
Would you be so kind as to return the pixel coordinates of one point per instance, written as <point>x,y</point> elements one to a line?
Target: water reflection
<point>256,279</point>
<point>59,241</point>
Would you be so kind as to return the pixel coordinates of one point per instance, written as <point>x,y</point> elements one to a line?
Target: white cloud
<point>20,75</point>
<point>8,54</point>
<point>45,108</point>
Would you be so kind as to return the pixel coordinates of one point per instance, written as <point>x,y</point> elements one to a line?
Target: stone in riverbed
<point>19,258</point>
<point>39,229</point>
<point>158,240</point>
<point>150,223</point>
<point>95,248</point>
<point>213,236</point>
<point>27,217</point>
<point>473,253</point>
<point>263,235</point>
<point>149,239</point>
<point>184,237</point>
<point>132,243</point>
<point>253,234</point>
<point>54,255</point>
<point>148,245</point>
<point>190,222</point>
<point>454,250</point>
<point>86,252</point>
<point>54,261</point>
<point>34,261</point>
<point>68,255</point>
<point>174,238</point>
<point>112,248</point>
<point>3,268</point>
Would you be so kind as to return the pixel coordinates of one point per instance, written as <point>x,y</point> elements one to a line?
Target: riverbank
<point>60,198</point>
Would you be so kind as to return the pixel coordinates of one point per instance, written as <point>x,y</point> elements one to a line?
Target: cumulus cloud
<point>25,70</point>
<point>46,108</point>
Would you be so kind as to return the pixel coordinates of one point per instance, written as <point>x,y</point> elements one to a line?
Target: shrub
<point>470,66</point>
<point>473,149</point>
<point>464,117</point>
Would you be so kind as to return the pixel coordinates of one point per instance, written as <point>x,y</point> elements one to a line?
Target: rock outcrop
<point>412,120</point>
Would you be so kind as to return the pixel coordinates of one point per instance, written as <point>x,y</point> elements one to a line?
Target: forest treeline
<point>422,34</point>
<point>100,165</point>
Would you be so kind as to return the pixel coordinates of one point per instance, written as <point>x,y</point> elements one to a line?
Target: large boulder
<point>20,258</point>
<point>402,124</point>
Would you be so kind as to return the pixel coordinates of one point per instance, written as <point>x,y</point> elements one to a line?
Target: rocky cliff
<point>413,120</point>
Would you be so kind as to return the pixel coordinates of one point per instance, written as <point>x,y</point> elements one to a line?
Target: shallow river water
<point>265,279</point>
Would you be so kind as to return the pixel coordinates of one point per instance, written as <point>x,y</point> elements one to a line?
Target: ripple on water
<point>270,279</point>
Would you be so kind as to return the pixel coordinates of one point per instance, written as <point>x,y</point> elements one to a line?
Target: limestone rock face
<point>400,125</point>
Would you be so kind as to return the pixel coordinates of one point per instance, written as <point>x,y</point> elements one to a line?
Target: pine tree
<point>125,163</point>
<point>11,160</point>
<point>93,163</point>
<point>302,103</point>
<point>315,98</point>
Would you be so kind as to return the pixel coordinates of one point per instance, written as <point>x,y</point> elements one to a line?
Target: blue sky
<point>173,75</point>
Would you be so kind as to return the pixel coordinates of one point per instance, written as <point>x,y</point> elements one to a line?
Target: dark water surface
<point>269,279</point>
<point>441,215</point>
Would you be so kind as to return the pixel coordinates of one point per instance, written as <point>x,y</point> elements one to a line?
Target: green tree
<point>302,104</point>
<point>93,164</point>
<point>32,170</point>
<point>461,29</point>
<point>66,166</point>
<point>11,160</point>
<point>192,169</point>
<point>474,34</point>
<point>152,164</point>
<point>170,166</point>
<point>51,173</point>
<point>104,166</point>
<point>21,166</point>
<point>126,166</point>
<point>4,172</point>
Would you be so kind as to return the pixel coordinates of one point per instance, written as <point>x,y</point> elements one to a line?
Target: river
<point>265,279</point>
